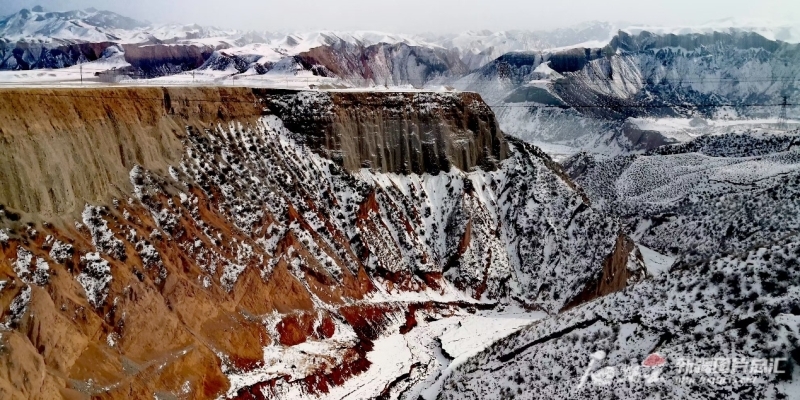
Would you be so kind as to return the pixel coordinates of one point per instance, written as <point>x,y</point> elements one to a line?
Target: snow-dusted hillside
<point>38,25</point>
<point>742,310</point>
<point>772,30</point>
<point>717,220</point>
<point>715,195</point>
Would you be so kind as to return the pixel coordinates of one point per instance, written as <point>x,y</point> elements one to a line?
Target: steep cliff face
<point>149,61</point>
<point>184,241</point>
<point>401,132</point>
<point>146,60</point>
<point>25,56</point>
<point>356,63</point>
<point>65,147</point>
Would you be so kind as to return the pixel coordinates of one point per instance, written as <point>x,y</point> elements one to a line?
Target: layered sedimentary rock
<point>146,60</point>
<point>174,241</point>
<point>400,132</point>
<point>153,60</point>
<point>385,64</point>
<point>25,56</point>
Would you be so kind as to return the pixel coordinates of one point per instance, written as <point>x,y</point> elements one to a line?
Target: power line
<point>565,106</point>
<point>421,83</point>
<point>572,75</point>
<point>527,105</point>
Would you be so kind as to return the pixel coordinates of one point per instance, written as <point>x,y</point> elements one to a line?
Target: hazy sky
<point>425,15</point>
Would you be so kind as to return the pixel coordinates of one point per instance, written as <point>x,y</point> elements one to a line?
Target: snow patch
<point>25,262</point>
<point>655,262</point>
<point>102,237</point>
<point>61,252</point>
<point>95,278</point>
<point>17,308</point>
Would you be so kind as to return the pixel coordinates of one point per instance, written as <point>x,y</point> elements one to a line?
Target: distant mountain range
<point>38,26</point>
<point>583,87</point>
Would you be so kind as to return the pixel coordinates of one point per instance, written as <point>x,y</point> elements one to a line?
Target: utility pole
<point>81,68</point>
<point>782,124</point>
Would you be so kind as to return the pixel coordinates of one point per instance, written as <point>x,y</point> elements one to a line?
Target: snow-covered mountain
<point>474,48</point>
<point>477,48</point>
<point>548,96</point>
<point>772,30</point>
<point>90,25</point>
<point>38,25</point>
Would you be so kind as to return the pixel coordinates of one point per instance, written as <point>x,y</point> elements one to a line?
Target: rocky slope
<point>723,212</point>
<point>714,196</point>
<point>184,242</point>
<point>743,307</point>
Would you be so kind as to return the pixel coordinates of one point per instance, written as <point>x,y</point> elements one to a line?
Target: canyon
<point>187,242</point>
<point>591,212</point>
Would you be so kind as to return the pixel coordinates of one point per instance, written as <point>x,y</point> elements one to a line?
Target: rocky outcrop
<point>184,241</point>
<point>385,64</point>
<point>621,268</point>
<point>149,61</point>
<point>402,132</point>
<point>68,158</point>
<point>26,56</point>
<point>146,60</point>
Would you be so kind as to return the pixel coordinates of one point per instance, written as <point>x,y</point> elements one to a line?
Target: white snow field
<point>402,366</point>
